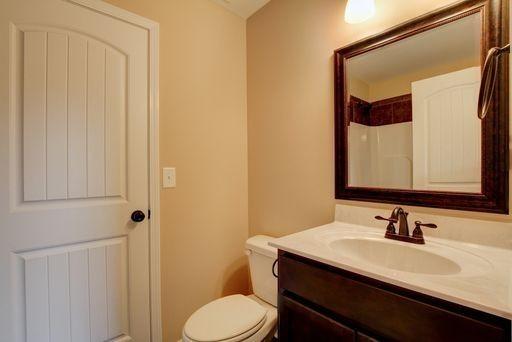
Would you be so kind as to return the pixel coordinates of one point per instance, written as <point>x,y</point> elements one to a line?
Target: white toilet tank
<point>261,259</point>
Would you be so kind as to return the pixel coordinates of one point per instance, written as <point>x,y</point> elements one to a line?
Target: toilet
<point>238,318</point>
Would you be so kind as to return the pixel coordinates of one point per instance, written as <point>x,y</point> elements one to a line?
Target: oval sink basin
<point>392,255</point>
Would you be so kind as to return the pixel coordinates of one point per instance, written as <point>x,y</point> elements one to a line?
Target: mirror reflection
<point>412,108</point>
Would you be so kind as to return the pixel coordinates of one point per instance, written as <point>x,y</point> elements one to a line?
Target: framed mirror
<point>407,128</point>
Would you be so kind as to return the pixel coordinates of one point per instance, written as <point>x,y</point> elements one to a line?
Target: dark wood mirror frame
<point>495,127</point>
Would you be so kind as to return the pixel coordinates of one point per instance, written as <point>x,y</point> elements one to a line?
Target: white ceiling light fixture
<point>358,11</point>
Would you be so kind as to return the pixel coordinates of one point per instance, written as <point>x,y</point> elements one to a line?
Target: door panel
<point>93,275</point>
<point>446,132</point>
<point>73,167</point>
<point>97,75</point>
<point>34,116</point>
<point>56,116</point>
<point>77,118</point>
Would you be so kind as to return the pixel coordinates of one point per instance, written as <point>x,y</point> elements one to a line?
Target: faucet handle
<point>391,225</point>
<point>428,225</point>
<point>418,233</point>
<point>391,220</point>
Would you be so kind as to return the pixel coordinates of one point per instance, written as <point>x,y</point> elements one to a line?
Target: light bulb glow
<point>358,11</point>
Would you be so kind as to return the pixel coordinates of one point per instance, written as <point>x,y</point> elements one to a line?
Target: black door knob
<point>138,216</point>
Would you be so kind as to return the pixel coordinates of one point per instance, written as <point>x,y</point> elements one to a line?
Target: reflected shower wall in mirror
<point>411,110</point>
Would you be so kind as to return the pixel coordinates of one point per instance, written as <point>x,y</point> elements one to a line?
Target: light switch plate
<point>169,177</point>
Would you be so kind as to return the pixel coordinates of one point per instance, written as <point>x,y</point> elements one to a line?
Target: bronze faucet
<point>400,216</point>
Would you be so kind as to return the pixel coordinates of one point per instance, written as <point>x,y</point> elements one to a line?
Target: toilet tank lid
<point>259,244</point>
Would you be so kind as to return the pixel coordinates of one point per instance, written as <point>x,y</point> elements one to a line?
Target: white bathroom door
<point>73,167</point>
<point>447,132</point>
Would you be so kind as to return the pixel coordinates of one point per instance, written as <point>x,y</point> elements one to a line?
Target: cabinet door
<point>299,323</point>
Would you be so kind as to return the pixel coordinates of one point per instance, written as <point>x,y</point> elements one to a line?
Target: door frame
<point>153,29</point>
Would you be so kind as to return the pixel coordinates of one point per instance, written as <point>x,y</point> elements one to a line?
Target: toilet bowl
<point>239,318</point>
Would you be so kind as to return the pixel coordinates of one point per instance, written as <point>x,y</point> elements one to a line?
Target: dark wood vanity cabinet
<point>301,323</point>
<point>318,302</point>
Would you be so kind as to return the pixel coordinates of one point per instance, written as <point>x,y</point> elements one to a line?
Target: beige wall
<point>401,84</point>
<point>359,89</point>
<point>290,111</point>
<point>203,134</point>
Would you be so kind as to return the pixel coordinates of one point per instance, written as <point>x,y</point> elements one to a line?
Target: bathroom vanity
<point>318,302</point>
<point>343,282</point>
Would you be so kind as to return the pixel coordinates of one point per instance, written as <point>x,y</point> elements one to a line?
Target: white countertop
<point>484,282</point>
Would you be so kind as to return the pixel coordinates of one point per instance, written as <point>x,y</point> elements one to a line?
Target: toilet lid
<point>224,319</point>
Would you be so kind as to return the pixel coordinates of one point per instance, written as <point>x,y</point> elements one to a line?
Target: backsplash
<point>490,233</point>
<point>389,111</point>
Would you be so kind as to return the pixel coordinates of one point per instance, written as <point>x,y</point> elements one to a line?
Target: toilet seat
<point>239,338</point>
<point>229,319</point>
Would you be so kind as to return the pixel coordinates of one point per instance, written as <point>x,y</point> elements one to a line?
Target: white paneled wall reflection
<point>74,117</point>
<point>380,156</point>
<point>65,285</point>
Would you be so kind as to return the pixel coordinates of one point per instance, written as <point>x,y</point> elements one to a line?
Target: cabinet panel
<point>298,323</point>
<point>391,312</point>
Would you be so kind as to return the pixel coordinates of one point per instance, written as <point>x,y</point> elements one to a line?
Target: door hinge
<point>149,214</point>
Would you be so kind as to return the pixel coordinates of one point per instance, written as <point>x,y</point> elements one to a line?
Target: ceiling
<point>444,45</point>
<point>244,8</point>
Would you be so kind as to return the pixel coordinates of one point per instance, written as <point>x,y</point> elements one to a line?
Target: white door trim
<point>154,162</point>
